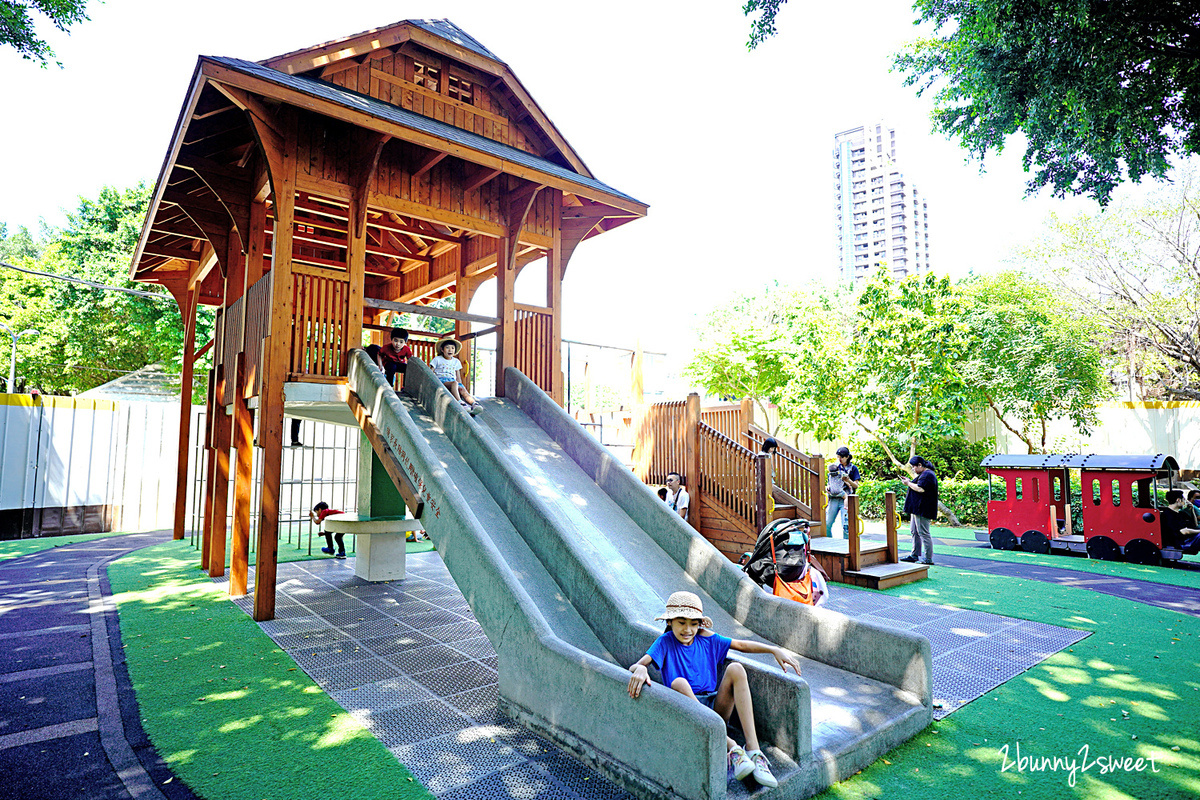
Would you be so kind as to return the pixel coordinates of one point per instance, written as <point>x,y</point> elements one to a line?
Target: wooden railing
<point>726,420</point>
<point>321,302</point>
<point>660,443</point>
<point>258,323</point>
<point>798,474</point>
<point>534,331</point>
<point>733,475</point>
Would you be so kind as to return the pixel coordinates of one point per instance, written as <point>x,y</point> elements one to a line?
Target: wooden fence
<point>534,331</point>
<point>733,475</point>
<point>659,443</point>
<point>321,302</point>
<point>258,320</point>
<point>726,420</point>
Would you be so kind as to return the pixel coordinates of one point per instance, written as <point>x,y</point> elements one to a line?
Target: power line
<point>92,284</point>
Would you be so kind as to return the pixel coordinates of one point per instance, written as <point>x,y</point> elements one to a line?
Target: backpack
<point>835,487</point>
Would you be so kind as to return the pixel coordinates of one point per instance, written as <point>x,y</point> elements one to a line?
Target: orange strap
<point>801,591</point>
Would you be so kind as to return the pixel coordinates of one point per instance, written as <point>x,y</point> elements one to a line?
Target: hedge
<point>966,498</point>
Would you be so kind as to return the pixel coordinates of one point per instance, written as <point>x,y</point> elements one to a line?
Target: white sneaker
<point>476,410</point>
<point>740,762</point>
<point>762,769</point>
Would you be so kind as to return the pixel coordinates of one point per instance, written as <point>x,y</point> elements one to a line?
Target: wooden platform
<point>874,571</point>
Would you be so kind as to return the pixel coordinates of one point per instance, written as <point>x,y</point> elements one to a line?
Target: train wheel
<point>1035,542</point>
<point>1003,539</point>
<point>1140,551</point>
<point>1103,548</point>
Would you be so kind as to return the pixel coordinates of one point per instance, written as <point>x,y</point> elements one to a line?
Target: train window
<point>1142,493</point>
<point>1018,488</point>
<point>1116,492</point>
<point>1056,483</point>
<point>1095,492</point>
<point>1000,488</point>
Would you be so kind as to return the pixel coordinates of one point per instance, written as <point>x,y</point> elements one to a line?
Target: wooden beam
<point>427,163</point>
<point>407,308</point>
<point>363,166</point>
<point>163,251</point>
<point>185,228</point>
<point>478,177</point>
<point>392,222</point>
<point>335,52</point>
<point>187,310</point>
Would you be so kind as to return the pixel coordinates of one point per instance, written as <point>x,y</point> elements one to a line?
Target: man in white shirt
<point>677,496</point>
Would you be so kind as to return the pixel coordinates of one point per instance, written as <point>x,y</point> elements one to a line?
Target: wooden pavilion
<point>310,195</point>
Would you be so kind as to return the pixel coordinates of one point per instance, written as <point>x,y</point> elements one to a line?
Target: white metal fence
<point>71,465</point>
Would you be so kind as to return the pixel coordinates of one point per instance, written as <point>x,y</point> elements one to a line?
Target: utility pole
<point>12,367</point>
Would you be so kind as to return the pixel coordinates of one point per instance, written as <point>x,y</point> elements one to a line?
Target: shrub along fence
<point>966,498</point>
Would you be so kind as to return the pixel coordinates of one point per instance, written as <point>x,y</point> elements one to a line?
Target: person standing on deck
<point>843,481</point>
<point>921,504</point>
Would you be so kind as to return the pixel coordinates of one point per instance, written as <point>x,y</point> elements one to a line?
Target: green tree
<point>17,25</point>
<point>742,350</point>
<point>1101,89</point>
<point>1135,269</point>
<point>89,336</point>
<point>908,345</point>
<point>17,248</point>
<point>1030,358</point>
<point>762,27</point>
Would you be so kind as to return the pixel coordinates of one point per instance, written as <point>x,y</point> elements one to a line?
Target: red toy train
<point>1119,505</point>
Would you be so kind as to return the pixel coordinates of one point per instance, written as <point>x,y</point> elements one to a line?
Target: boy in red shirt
<point>392,358</point>
<point>317,515</point>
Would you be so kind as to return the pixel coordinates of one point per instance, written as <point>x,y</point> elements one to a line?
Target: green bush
<point>952,457</point>
<point>966,498</point>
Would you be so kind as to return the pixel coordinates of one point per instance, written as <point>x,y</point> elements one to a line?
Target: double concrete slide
<point>566,558</point>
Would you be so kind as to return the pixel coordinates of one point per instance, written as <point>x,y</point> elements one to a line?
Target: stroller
<point>780,563</point>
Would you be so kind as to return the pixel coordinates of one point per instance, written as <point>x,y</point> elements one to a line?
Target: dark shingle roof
<point>389,113</point>
<point>448,30</point>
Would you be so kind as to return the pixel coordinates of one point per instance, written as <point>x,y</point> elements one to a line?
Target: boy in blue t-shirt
<point>689,656</point>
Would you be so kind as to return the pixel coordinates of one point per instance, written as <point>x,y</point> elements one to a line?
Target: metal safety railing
<point>324,469</point>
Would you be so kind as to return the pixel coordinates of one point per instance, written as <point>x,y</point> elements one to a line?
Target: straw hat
<point>448,340</point>
<point>686,605</point>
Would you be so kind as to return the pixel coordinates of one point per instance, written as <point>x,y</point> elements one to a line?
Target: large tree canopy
<point>17,25</point>
<point>1103,90</point>
<point>89,336</point>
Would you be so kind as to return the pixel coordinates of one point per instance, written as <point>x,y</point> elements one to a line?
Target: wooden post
<point>691,456</point>
<point>243,479</point>
<point>892,522</point>
<point>506,341</point>
<point>1052,531</point>
<point>276,357</point>
<point>1070,523</point>
<point>761,469</point>
<point>637,377</point>
<point>210,470</point>
<point>816,492</point>
<point>853,558</point>
<point>220,479</point>
<point>746,416</point>
<point>185,411</point>
<point>554,277</point>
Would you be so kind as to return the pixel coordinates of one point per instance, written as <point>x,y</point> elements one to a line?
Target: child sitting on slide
<point>448,370</point>
<point>320,511</point>
<point>690,657</point>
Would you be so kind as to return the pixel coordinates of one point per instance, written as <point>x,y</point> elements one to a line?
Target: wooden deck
<point>874,571</point>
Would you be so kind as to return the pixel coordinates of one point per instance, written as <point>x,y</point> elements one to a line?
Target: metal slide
<point>566,558</point>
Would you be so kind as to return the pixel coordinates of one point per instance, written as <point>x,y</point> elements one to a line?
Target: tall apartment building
<point>881,219</point>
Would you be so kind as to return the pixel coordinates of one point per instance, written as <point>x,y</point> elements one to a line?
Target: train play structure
<point>1030,505</point>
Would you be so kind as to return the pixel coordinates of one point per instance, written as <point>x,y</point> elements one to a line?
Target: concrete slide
<point>566,558</point>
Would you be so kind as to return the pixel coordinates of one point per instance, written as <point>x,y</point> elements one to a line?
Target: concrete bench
<point>379,543</point>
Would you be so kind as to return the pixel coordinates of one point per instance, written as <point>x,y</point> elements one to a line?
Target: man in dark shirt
<point>1177,530</point>
<point>921,505</point>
